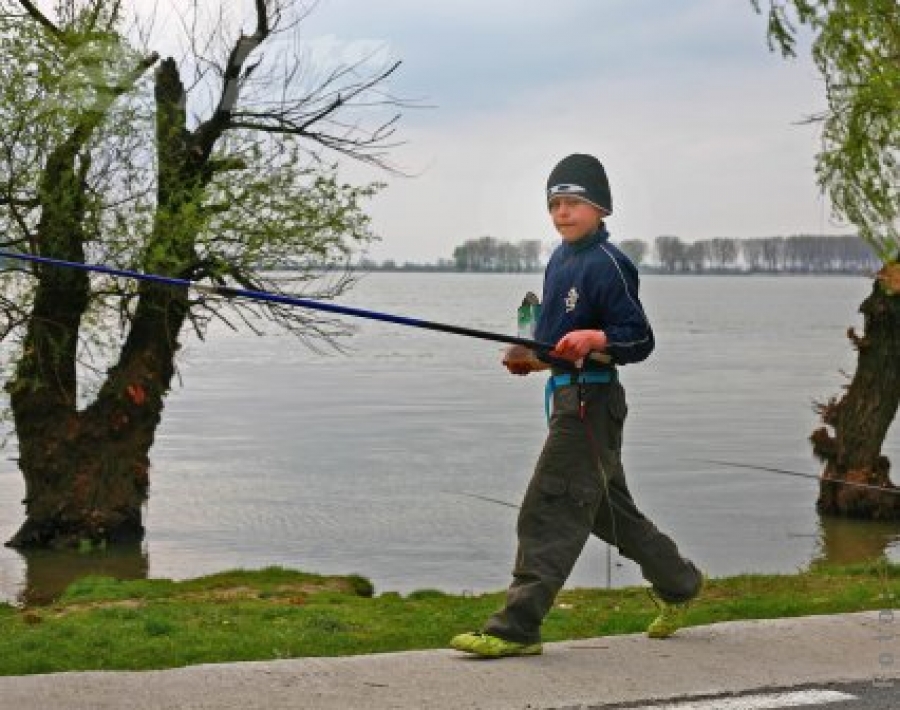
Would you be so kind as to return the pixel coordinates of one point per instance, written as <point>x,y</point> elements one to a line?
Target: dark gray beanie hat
<point>582,176</point>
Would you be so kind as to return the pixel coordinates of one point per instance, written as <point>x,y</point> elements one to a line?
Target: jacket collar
<point>601,235</point>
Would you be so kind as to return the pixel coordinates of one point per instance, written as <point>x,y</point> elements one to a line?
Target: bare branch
<point>94,17</point>
<point>11,201</point>
<point>210,130</point>
<point>43,20</point>
<point>16,204</point>
<point>300,118</point>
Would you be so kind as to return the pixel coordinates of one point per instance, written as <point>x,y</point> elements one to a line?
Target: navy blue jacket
<point>592,284</point>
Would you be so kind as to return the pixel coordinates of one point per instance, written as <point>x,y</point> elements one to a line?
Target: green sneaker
<point>488,646</point>
<point>671,615</point>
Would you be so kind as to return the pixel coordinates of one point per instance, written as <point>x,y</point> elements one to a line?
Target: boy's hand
<point>519,368</point>
<point>576,345</point>
<point>519,360</point>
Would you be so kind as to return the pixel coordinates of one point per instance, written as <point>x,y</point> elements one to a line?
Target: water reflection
<point>49,572</point>
<point>845,542</point>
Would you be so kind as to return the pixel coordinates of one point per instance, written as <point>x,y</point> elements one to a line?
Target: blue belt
<point>554,382</point>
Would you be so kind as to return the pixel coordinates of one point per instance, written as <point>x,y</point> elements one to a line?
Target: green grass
<point>100,623</point>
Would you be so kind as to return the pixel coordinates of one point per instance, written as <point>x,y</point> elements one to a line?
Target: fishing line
<point>504,503</point>
<point>799,474</point>
<point>476,496</point>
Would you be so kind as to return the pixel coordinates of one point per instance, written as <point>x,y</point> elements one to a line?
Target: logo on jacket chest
<point>571,299</point>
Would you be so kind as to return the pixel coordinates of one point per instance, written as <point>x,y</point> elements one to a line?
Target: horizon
<point>547,246</point>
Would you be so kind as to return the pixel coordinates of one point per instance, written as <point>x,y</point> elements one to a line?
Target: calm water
<point>354,462</point>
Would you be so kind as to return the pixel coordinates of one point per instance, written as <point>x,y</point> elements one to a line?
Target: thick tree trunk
<point>860,419</point>
<point>86,475</point>
<point>43,390</point>
<point>86,472</point>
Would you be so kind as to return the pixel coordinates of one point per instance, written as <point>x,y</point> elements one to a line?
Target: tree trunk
<point>44,388</point>
<point>86,472</point>
<point>860,419</point>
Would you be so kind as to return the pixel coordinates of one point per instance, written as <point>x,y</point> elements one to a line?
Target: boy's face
<point>574,218</point>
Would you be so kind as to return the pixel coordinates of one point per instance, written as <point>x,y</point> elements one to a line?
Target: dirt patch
<point>34,615</point>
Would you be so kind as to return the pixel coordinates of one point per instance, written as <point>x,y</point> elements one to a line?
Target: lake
<point>365,461</point>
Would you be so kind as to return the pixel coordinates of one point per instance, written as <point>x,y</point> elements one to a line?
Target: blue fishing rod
<point>268,297</point>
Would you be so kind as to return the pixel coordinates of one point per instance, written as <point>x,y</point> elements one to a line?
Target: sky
<point>700,126</point>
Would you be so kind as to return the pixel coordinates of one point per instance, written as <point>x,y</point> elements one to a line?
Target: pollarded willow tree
<point>856,47</point>
<point>210,167</point>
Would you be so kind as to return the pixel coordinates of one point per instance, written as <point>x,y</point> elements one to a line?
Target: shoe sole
<point>659,635</point>
<point>534,650</point>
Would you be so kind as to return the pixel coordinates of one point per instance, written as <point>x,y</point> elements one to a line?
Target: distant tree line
<point>393,265</point>
<point>801,254</point>
<point>485,254</point>
<point>491,254</point>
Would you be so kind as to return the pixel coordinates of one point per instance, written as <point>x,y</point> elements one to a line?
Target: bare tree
<point>102,160</point>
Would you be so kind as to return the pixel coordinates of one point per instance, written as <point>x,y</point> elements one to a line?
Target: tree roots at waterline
<point>57,533</point>
<point>860,419</point>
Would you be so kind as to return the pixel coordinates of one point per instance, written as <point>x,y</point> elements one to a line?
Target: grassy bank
<point>274,613</point>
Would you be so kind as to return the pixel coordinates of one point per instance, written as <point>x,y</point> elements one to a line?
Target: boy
<point>592,312</point>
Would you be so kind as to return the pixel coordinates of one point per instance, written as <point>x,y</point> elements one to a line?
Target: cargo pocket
<point>551,485</point>
<point>584,495</point>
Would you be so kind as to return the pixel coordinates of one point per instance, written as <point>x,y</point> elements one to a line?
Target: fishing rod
<point>268,297</point>
<point>799,474</point>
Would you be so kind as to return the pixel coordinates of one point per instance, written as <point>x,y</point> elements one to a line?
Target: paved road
<point>864,695</point>
<point>728,658</point>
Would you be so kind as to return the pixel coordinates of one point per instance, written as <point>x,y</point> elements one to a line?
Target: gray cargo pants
<point>567,500</point>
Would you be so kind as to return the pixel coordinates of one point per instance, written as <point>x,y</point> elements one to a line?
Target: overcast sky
<point>698,124</point>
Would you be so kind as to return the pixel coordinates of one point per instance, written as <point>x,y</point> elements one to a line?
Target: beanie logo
<point>566,188</point>
<point>571,299</point>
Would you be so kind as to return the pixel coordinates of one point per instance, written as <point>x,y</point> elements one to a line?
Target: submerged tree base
<point>58,535</point>
<point>836,499</point>
<point>861,418</point>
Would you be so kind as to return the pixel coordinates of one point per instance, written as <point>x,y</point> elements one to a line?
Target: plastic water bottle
<point>528,314</point>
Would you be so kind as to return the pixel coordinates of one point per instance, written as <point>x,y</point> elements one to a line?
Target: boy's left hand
<point>520,360</point>
<point>577,344</point>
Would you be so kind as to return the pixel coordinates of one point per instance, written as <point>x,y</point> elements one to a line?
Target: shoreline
<point>273,613</point>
